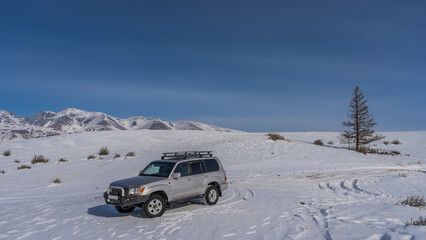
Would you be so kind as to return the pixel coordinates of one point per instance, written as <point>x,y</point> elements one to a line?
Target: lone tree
<point>360,126</point>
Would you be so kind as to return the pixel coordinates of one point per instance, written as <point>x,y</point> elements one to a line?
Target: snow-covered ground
<point>278,190</point>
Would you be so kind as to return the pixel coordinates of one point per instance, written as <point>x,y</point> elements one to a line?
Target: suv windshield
<point>158,169</point>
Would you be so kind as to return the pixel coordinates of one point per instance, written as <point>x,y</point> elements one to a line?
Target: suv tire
<point>124,209</point>
<point>211,196</point>
<point>155,206</point>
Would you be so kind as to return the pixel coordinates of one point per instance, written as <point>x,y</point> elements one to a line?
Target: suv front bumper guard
<point>124,201</point>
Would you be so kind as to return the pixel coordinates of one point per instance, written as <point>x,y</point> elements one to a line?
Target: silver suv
<point>178,176</point>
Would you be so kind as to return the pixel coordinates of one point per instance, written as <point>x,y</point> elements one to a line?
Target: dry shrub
<point>393,153</point>
<point>117,155</point>
<point>319,142</point>
<point>2,172</point>
<point>365,150</point>
<point>420,222</point>
<point>275,137</point>
<point>56,180</point>
<point>39,159</point>
<point>62,160</point>
<point>103,151</point>
<point>330,142</point>
<point>386,142</point>
<point>404,175</point>
<point>91,157</point>
<point>7,153</point>
<point>130,154</point>
<point>396,142</point>
<point>24,167</point>
<point>415,201</point>
<point>17,161</point>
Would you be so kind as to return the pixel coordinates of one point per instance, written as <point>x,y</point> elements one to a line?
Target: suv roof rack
<point>186,155</point>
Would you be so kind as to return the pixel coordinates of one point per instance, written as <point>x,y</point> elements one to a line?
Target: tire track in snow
<point>350,192</point>
<point>236,196</point>
<point>350,185</point>
<point>330,187</point>
<point>43,217</point>
<point>175,221</point>
<point>355,186</point>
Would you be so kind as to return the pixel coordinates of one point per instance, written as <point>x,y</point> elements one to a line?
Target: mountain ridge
<point>72,120</point>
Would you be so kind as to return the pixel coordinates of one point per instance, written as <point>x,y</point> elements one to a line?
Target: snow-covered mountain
<point>71,120</point>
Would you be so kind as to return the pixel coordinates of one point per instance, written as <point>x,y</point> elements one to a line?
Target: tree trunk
<point>356,120</point>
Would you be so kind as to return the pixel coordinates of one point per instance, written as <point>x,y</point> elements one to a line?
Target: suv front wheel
<point>155,206</point>
<point>124,209</point>
<point>211,196</point>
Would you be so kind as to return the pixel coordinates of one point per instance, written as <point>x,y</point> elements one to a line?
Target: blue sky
<point>248,65</point>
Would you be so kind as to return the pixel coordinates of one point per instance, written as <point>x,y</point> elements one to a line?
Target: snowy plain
<point>278,190</point>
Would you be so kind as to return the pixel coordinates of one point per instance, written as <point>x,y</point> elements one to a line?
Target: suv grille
<point>118,191</point>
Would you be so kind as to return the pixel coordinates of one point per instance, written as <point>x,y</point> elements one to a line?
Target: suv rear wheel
<point>124,209</point>
<point>155,206</point>
<point>211,196</point>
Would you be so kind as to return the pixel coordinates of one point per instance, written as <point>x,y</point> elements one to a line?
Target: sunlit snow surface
<point>278,190</point>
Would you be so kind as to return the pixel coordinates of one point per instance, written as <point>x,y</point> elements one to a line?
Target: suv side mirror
<point>176,175</point>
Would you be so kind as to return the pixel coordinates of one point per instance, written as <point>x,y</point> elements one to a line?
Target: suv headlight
<point>136,191</point>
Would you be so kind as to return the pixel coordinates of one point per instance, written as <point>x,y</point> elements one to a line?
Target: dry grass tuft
<point>117,155</point>
<point>365,150</point>
<point>56,180</point>
<point>103,151</point>
<point>90,157</point>
<point>319,142</point>
<point>130,154</point>
<point>404,175</point>
<point>7,153</point>
<point>39,159</point>
<point>24,167</point>
<point>420,222</point>
<point>16,161</point>
<point>275,137</point>
<point>415,201</point>
<point>62,160</point>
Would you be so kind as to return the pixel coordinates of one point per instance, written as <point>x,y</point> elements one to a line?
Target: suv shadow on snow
<point>186,204</point>
<point>109,211</point>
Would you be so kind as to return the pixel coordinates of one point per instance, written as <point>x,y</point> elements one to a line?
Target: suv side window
<point>183,169</point>
<point>211,165</point>
<point>196,167</point>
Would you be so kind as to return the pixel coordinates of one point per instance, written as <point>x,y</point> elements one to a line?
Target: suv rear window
<point>196,168</point>
<point>211,165</point>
